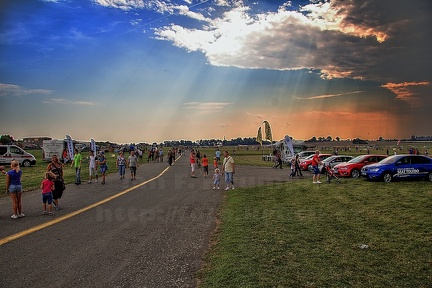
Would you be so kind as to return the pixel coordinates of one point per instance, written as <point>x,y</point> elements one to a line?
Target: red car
<point>306,164</point>
<point>353,167</point>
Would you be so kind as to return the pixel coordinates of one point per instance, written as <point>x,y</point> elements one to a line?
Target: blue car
<point>399,167</point>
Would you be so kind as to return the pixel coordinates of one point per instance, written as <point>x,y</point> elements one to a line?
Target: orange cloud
<point>403,91</point>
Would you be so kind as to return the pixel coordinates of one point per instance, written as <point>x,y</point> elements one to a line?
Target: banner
<point>93,146</point>
<point>268,132</point>
<point>70,147</point>
<point>289,144</point>
<point>259,136</point>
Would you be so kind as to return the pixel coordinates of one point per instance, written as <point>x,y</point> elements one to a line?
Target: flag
<point>93,146</point>
<point>70,147</point>
<point>268,132</point>
<point>259,136</point>
<point>289,144</point>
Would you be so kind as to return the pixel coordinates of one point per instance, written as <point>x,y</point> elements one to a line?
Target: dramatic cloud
<point>342,39</point>
<point>404,91</point>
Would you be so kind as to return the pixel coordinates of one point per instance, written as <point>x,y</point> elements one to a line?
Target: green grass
<point>33,176</point>
<point>303,235</point>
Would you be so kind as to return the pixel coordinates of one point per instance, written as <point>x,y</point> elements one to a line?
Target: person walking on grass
<point>47,187</point>
<point>228,167</point>
<point>92,167</point>
<point>14,189</point>
<point>133,164</point>
<point>77,161</point>
<point>315,162</point>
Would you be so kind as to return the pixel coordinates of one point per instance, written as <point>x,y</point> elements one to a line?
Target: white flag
<point>70,147</point>
<point>289,144</point>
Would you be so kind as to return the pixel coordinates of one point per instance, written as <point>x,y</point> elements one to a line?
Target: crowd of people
<point>227,166</point>
<point>52,186</point>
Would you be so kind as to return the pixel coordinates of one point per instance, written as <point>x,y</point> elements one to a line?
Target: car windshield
<point>357,159</point>
<point>309,157</point>
<point>329,159</point>
<point>389,160</point>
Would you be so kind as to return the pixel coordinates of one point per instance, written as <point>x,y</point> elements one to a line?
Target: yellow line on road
<point>70,215</point>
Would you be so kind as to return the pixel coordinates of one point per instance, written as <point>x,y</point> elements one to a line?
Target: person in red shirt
<point>205,163</point>
<point>47,187</point>
<point>315,162</point>
<point>192,161</point>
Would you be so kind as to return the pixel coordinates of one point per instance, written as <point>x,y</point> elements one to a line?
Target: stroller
<point>330,174</point>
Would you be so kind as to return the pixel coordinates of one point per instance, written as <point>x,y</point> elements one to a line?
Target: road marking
<point>70,215</point>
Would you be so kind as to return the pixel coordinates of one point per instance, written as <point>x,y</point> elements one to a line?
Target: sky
<point>130,71</point>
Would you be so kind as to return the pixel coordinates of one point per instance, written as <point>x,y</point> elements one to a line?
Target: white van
<point>12,152</point>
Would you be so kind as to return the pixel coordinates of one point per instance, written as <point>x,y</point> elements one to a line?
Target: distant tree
<point>359,141</point>
<point>329,138</point>
<point>338,138</point>
<point>6,139</point>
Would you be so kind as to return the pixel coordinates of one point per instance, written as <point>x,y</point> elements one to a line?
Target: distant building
<point>28,141</point>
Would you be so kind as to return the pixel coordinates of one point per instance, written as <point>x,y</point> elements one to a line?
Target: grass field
<point>356,234</point>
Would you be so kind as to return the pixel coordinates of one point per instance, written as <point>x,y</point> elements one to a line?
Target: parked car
<point>353,167</point>
<point>334,160</point>
<point>306,164</point>
<point>399,167</point>
<point>12,152</point>
<point>304,154</point>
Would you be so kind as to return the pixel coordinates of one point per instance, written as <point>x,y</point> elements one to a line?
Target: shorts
<point>13,189</point>
<point>229,177</point>
<point>193,166</point>
<point>205,168</point>
<point>133,169</point>
<point>103,168</point>
<point>92,171</point>
<point>315,170</point>
<point>47,197</point>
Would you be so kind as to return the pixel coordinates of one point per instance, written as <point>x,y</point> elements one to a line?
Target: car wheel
<point>355,173</point>
<point>309,168</point>
<point>387,177</point>
<point>430,177</point>
<point>26,163</point>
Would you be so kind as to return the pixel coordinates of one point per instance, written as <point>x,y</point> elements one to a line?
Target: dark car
<point>400,167</point>
<point>353,167</point>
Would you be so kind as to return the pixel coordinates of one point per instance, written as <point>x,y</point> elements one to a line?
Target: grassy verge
<point>304,235</point>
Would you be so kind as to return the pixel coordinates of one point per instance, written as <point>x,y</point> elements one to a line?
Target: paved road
<point>153,235</point>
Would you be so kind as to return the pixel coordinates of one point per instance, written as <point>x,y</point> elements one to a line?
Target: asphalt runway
<point>149,232</point>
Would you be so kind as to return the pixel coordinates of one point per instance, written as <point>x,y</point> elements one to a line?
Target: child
<point>47,187</point>
<point>216,179</point>
<point>293,168</point>
<point>205,163</point>
<point>215,162</point>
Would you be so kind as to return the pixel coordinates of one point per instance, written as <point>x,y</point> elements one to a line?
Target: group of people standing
<point>228,168</point>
